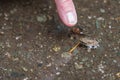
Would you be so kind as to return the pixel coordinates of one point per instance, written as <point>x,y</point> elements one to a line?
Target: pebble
<point>100,68</point>
<point>102,10</point>
<point>24,69</point>
<point>78,66</point>
<point>42,18</point>
<point>100,18</point>
<point>18,37</point>
<point>39,64</point>
<point>118,74</point>
<point>89,17</point>
<point>1,33</point>
<point>26,78</point>
<point>110,26</point>
<point>58,73</point>
<point>49,65</point>
<point>8,54</point>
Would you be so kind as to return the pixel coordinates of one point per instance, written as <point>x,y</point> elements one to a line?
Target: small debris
<point>49,65</point>
<point>101,68</point>
<point>39,64</point>
<point>49,17</point>
<point>117,18</point>
<point>78,66</point>
<point>102,10</point>
<point>100,21</point>
<point>100,18</point>
<point>58,73</point>
<point>89,17</point>
<point>56,48</point>
<point>24,69</point>
<point>26,78</point>
<point>118,74</point>
<point>97,24</point>
<point>18,37</point>
<point>1,33</point>
<point>8,54</point>
<point>41,18</point>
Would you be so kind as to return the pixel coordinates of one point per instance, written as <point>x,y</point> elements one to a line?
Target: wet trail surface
<point>32,40</point>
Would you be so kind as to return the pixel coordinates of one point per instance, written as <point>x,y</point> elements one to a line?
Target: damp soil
<point>32,40</point>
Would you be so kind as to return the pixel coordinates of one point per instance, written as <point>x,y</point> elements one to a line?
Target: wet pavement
<point>33,42</point>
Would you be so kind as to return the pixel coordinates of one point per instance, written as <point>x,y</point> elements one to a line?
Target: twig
<point>72,49</point>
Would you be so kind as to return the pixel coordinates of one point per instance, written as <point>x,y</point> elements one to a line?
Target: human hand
<point>67,12</point>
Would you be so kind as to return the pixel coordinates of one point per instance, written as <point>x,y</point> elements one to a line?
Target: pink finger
<point>67,12</point>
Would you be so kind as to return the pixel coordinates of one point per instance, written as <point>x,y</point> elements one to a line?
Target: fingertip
<point>70,24</point>
<point>67,12</point>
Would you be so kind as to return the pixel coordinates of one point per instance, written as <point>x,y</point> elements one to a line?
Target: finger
<point>67,12</point>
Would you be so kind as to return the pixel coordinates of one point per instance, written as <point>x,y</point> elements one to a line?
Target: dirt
<point>32,40</point>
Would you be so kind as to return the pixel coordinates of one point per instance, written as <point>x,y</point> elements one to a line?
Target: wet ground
<point>32,40</point>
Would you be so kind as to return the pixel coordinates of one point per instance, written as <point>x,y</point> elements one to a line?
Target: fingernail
<point>70,17</point>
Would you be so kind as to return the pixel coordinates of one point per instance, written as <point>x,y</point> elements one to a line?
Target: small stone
<point>15,59</point>
<point>102,10</point>
<point>49,65</point>
<point>72,38</point>
<point>31,70</point>
<point>89,17</point>
<point>49,17</point>
<point>100,18</point>
<point>24,69</point>
<point>87,64</point>
<point>41,18</point>
<point>19,44</point>
<point>78,66</point>
<point>101,68</point>
<point>18,37</point>
<point>1,33</point>
<point>39,64</point>
<point>26,78</point>
<point>118,74</point>
<point>8,54</point>
<point>110,26</point>
<point>58,73</point>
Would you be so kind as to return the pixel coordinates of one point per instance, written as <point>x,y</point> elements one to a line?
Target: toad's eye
<point>92,47</point>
